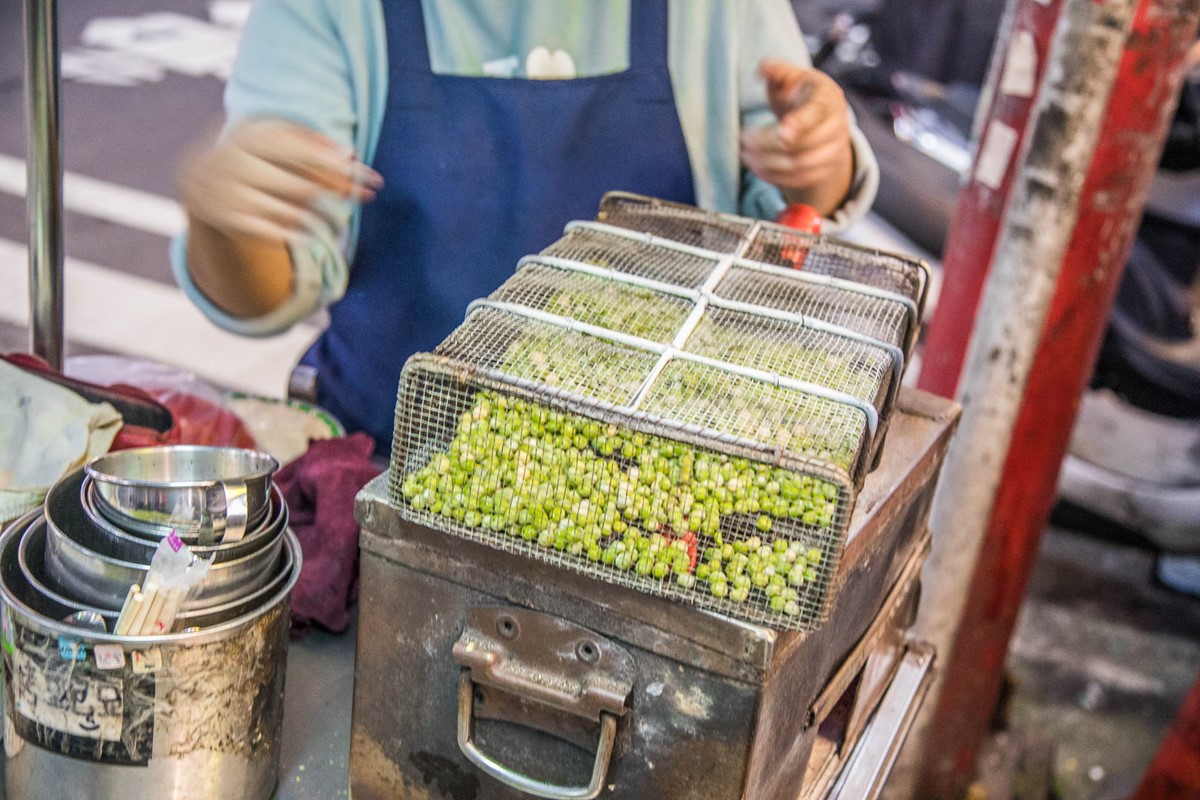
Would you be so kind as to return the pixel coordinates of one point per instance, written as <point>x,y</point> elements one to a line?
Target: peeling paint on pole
<point>1037,226</point>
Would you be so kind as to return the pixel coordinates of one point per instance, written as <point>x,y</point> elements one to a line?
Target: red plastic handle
<point>801,217</point>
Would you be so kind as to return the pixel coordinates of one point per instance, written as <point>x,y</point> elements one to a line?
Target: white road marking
<point>103,200</point>
<point>137,317</point>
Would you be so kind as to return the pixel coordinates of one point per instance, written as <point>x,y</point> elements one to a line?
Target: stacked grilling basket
<point>676,401</point>
<point>152,587</point>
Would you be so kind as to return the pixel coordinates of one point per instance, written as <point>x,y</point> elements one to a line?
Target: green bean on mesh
<point>630,501</point>
<point>721,401</point>
<point>790,350</point>
<point>559,359</point>
<point>628,309</point>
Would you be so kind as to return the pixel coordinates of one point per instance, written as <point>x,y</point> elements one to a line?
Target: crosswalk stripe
<point>125,314</point>
<point>103,200</point>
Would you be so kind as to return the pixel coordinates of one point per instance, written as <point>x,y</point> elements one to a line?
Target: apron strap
<point>409,37</point>
<point>647,35</point>
<point>648,61</point>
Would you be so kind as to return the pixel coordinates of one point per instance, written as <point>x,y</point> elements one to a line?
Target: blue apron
<point>479,172</point>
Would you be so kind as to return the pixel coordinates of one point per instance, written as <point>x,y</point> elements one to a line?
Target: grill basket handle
<point>801,217</point>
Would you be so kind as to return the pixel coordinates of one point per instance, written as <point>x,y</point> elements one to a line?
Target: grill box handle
<point>549,663</point>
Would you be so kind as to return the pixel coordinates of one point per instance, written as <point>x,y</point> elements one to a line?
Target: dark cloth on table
<point>319,488</point>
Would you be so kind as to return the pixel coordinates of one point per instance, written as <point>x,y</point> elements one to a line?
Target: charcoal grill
<point>646,403</point>
<point>482,674</point>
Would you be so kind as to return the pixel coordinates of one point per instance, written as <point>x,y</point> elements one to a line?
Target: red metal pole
<point>1009,96</point>
<point>1125,158</point>
<point>1174,774</point>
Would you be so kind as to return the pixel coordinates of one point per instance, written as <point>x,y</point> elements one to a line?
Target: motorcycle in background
<point>912,71</point>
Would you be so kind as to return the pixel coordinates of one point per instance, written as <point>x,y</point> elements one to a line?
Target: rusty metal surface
<point>802,671</point>
<point>719,708</point>
<point>686,728</point>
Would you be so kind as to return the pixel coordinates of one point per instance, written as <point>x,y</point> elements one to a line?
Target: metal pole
<point>1033,225</point>
<point>43,148</point>
<point>1018,65</point>
<point>1174,774</point>
<point>1091,150</point>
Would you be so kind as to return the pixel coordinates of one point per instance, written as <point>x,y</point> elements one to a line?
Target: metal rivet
<point>587,652</point>
<point>507,627</point>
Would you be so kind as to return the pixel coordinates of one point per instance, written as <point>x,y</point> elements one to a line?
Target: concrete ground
<point>1101,661</point>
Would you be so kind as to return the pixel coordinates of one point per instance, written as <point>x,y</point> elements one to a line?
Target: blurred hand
<point>807,152</point>
<point>266,180</point>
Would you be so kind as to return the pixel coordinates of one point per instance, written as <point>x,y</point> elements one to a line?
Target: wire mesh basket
<point>630,406</point>
<point>892,277</point>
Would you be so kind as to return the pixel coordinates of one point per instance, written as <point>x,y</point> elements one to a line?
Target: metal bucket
<point>154,490</point>
<point>190,716</point>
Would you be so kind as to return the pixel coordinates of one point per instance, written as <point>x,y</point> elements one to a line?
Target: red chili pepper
<point>692,549</point>
<point>691,540</point>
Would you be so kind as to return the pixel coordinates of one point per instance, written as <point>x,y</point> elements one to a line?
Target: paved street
<point>121,146</point>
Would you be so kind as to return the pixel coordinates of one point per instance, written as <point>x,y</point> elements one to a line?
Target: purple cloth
<point>319,488</point>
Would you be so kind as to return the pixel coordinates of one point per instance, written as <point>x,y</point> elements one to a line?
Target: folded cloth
<point>45,432</point>
<point>319,488</point>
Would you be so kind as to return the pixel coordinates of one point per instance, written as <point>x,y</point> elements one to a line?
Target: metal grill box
<point>475,663</point>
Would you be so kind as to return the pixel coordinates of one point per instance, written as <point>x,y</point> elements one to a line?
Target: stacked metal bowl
<point>195,712</point>
<point>101,525</point>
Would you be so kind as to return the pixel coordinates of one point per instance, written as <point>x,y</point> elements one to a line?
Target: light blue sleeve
<point>770,30</point>
<point>322,64</point>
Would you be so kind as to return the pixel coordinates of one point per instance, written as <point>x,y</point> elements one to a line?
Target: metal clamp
<point>523,783</point>
<point>552,670</point>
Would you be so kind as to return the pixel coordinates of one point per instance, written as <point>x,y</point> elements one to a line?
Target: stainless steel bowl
<point>87,563</point>
<point>46,602</point>
<point>66,512</point>
<point>187,488</point>
<point>196,612</point>
<point>135,545</point>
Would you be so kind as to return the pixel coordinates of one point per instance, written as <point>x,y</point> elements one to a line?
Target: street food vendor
<point>392,160</point>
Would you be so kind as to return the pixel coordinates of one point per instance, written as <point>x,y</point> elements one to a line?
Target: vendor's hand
<point>807,152</point>
<point>266,179</point>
